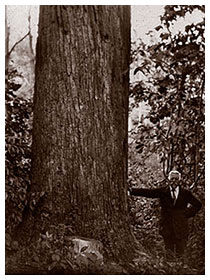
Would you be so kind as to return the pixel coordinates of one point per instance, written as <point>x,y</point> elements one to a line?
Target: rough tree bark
<point>81,118</point>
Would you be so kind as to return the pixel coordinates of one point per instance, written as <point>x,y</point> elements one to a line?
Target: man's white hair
<point>174,172</point>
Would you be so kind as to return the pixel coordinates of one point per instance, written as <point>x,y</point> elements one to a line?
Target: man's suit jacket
<point>174,218</point>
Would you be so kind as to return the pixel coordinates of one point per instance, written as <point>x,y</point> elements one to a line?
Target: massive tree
<point>79,150</point>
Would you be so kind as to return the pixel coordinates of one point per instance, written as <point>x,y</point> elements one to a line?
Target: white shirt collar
<point>176,191</point>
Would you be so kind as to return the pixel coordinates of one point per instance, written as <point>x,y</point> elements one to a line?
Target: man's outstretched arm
<point>151,193</point>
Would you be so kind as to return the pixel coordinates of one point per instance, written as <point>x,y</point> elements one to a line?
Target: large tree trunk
<point>81,118</point>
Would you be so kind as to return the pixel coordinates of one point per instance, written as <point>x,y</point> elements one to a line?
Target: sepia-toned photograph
<point>104,139</point>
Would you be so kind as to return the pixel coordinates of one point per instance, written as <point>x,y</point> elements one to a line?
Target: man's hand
<point>129,191</point>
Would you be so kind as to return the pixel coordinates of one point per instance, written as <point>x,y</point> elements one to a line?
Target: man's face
<point>174,179</point>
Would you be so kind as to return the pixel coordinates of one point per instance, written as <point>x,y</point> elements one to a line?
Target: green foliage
<point>172,85</point>
<point>18,151</point>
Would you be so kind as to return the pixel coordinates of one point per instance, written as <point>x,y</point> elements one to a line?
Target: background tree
<point>7,34</point>
<point>18,125</point>
<point>79,151</point>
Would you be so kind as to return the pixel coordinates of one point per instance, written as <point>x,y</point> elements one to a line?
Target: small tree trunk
<point>7,34</point>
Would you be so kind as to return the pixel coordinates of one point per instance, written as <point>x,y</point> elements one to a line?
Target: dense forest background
<point>167,130</point>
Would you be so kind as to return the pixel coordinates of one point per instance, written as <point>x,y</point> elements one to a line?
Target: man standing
<point>177,205</point>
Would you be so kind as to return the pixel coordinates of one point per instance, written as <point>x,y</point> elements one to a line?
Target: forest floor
<point>139,266</point>
<point>151,260</point>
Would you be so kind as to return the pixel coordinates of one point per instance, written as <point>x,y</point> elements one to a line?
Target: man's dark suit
<point>174,218</point>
